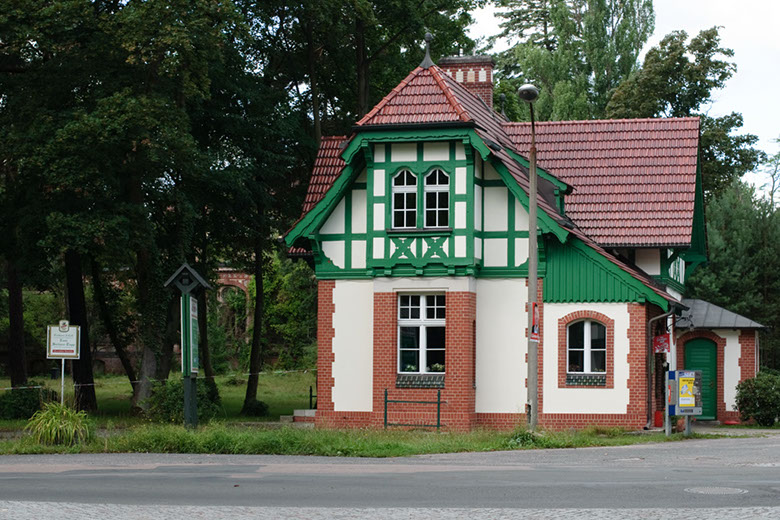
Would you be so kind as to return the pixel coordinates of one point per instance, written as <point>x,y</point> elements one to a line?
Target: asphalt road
<point>719,478</point>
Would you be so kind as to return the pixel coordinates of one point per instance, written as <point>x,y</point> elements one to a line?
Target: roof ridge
<point>451,99</point>
<point>389,97</point>
<point>605,121</point>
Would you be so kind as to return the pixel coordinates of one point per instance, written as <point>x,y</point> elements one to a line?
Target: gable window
<point>421,333</point>
<point>437,199</point>
<point>404,200</point>
<point>586,347</point>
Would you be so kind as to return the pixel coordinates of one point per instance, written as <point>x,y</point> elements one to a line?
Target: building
<point>417,227</point>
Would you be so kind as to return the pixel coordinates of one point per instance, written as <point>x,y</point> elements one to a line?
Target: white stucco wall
<point>648,260</point>
<point>335,222</point>
<point>731,369</point>
<point>501,346</point>
<point>353,345</point>
<point>586,400</point>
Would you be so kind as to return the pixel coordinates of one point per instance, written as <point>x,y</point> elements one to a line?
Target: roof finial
<point>427,62</point>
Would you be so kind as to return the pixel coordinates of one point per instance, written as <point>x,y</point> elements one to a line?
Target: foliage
<point>576,51</point>
<point>677,79</point>
<point>22,403</point>
<point>166,404</point>
<point>743,234</point>
<point>58,424</point>
<point>255,409</point>
<point>758,398</point>
<point>353,443</point>
<point>290,294</point>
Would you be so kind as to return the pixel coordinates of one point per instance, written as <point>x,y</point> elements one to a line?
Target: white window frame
<point>436,188</point>
<point>404,190</point>
<point>587,347</point>
<point>422,323</point>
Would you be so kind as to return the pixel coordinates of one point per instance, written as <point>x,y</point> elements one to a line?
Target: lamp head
<point>528,93</point>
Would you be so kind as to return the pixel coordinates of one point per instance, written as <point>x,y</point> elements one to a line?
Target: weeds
<point>58,424</point>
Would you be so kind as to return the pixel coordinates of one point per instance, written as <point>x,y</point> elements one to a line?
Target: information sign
<point>194,335</point>
<point>62,341</point>
<point>661,343</point>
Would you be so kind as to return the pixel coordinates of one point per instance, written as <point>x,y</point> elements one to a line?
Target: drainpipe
<point>649,366</point>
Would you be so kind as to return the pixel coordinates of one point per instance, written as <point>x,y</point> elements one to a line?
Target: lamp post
<point>529,94</point>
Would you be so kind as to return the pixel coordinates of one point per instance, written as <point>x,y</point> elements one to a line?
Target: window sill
<point>425,232</point>
<point>419,381</point>
<point>586,379</point>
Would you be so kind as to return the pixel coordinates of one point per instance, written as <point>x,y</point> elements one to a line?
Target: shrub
<point>166,403</point>
<point>59,424</point>
<point>22,403</point>
<point>759,398</point>
<point>255,409</point>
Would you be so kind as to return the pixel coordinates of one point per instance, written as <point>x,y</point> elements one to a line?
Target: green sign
<point>189,335</point>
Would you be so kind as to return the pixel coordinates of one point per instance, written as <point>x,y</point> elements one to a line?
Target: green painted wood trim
<point>544,222</point>
<point>389,136</point>
<point>322,210</point>
<point>565,188</point>
<point>577,273</point>
<point>697,253</point>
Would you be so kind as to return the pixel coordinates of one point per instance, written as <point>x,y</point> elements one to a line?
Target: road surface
<point>714,478</point>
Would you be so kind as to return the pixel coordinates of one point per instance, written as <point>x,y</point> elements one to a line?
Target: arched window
<point>404,200</point>
<point>437,199</point>
<point>586,347</point>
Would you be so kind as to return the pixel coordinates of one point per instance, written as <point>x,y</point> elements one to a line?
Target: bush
<point>59,424</point>
<point>255,409</point>
<point>166,403</point>
<point>759,398</point>
<point>22,403</point>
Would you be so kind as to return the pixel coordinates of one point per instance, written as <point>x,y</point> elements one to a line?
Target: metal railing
<point>437,402</point>
<point>312,399</point>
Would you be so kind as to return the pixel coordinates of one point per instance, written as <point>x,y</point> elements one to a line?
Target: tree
<point>743,235</point>
<point>677,80</point>
<point>577,51</point>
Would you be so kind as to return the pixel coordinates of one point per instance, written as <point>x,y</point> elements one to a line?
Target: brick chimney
<point>473,72</point>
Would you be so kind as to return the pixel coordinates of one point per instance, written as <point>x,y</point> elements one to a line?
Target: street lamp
<point>529,94</point>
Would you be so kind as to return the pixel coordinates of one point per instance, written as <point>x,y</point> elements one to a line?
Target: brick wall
<point>325,334</point>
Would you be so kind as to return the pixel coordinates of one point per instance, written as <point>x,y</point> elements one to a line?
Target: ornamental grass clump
<point>57,424</point>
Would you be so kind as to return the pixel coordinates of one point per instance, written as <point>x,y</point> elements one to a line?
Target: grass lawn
<point>284,392</point>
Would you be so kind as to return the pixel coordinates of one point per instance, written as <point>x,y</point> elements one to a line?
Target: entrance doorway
<point>701,354</point>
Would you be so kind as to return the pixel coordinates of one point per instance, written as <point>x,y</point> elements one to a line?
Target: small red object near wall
<point>661,343</point>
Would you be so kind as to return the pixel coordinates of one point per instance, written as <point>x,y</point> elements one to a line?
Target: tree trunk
<point>362,67</point>
<point>83,381</point>
<point>120,346</point>
<point>315,89</point>
<point>17,367</point>
<point>203,342</point>
<point>256,354</point>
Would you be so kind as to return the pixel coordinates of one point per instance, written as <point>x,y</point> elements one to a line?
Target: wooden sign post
<point>189,283</point>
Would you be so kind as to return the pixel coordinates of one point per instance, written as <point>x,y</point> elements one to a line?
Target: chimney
<point>473,72</point>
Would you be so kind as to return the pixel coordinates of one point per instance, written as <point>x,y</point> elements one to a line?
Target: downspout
<point>649,366</point>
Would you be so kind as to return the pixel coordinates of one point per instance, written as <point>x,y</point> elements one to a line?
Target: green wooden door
<point>701,354</point>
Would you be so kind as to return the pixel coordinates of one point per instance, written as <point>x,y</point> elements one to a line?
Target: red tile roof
<point>634,180</point>
<point>421,97</point>
<point>327,167</point>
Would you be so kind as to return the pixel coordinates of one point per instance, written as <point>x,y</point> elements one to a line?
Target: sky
<point>749,27</point>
